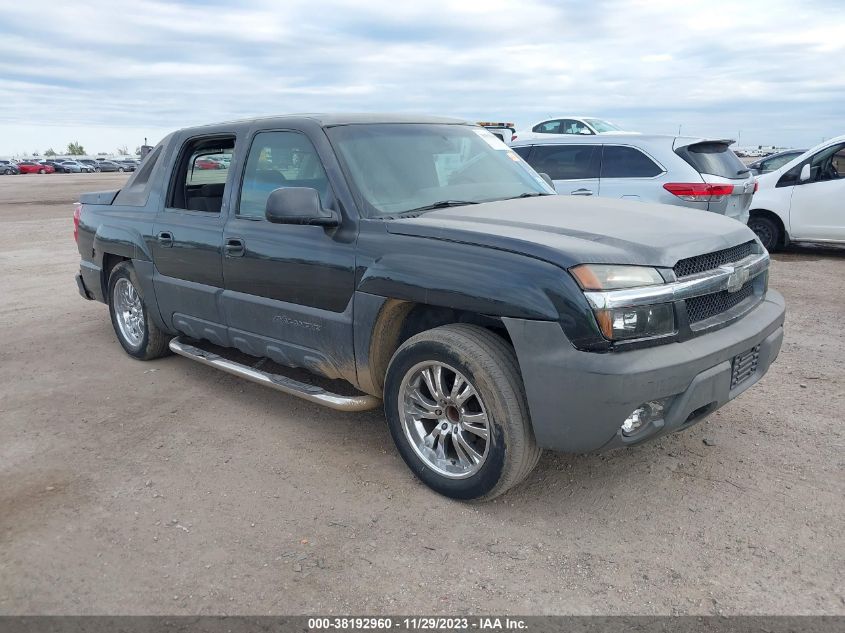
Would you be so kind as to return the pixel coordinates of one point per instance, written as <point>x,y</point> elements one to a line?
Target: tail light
<point>698,191</point>
<point>756,186</point>
<point>513,138</point>
<point>77,212</point>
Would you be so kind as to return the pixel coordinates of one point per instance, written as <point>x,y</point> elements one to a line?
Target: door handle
<point>234,247</point>
<point>165,238</point>
<point>582,192</point>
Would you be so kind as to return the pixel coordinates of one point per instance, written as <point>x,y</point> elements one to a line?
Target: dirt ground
<point>171,488</point>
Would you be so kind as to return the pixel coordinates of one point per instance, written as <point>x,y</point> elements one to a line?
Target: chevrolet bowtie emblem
<point>737,277</point>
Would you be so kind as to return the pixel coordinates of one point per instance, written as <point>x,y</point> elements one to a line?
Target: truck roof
<point>346,118</point>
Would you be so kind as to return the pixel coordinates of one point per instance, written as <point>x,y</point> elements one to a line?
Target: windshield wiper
<point>442,204</point>
<point>530,194</point>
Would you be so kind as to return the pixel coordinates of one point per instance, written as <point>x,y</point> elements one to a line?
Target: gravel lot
<point>170,488</point>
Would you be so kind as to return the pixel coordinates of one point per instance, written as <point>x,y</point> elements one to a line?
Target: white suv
<point>804,200</point>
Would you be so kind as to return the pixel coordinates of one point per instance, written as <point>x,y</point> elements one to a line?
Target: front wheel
<point>120,169</point>
<point>767,230</point>
<point>42,171</point>
<point>457,412</point>
<point>138,335</point>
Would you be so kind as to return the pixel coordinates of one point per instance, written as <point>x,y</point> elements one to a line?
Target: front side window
<point>619,161</point>
<point>567,162</point>
<point>827,164</point>
<point>276,160</point>
<point>400,168</point>
<point>571,126</point>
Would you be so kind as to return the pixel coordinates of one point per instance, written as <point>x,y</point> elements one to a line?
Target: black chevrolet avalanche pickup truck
<point>419,262</point>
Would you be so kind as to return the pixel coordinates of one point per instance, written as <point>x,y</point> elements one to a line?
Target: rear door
<point>574,168</point>
<point>188,242</point>
<point>628,172</point>
<point>289,288</point>
<point>817,209</point>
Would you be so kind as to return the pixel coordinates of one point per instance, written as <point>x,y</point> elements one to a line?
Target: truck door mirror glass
<point>805,173</point>
<point>298,205</point>
<point>548,180</point>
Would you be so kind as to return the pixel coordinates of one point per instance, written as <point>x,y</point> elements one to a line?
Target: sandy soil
<point>170,488</point>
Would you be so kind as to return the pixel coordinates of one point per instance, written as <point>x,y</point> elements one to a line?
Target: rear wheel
<point>120,169</point>
<point>42,171</point>
<point>138,335</point>
<point>767,230</point>
<point>456,408</point>
<point>8,172</point>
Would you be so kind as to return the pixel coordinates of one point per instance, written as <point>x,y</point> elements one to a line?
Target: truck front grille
<point>706,306</point>
<point>709,261</point>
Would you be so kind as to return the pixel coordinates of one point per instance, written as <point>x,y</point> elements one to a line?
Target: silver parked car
<point>690,172</point>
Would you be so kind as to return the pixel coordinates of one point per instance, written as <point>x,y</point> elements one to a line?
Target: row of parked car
<point>794,196</point>
<point>67,166</point>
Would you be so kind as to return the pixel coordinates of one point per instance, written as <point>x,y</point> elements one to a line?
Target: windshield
<point>603,126</point>
<point>399,168</point>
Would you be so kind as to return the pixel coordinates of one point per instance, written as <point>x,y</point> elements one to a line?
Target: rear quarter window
<point>619,161</point>
<point>716,159</point>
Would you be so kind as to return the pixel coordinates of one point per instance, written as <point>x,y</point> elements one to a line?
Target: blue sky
<point>108,74</point>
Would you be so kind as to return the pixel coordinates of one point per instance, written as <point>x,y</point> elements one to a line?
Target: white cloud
<point>109,73</point>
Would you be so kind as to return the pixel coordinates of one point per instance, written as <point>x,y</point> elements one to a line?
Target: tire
<point>8,172</point>
<point>120,169</point>
<point>767,230</point>
<point>485,361</point>
<point>42,171</point>
<point>148,341</point>
<point>97,169</point>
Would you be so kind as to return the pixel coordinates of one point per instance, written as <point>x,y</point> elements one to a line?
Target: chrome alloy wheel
<point>129,312</point>
<point>444,419</point>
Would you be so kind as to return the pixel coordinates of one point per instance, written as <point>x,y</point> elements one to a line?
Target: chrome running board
<point>312,393</point>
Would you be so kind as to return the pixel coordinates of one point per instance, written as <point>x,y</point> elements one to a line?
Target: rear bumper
<point>578,400</point>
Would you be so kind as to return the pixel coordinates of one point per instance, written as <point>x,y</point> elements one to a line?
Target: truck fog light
<point>642,415</point>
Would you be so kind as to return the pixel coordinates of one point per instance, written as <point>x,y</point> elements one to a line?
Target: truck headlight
<point>612,277</point>
<point>624,323</point>
<point>640,322</point>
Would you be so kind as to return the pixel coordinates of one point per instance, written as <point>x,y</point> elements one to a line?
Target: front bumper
<point>578,400</point>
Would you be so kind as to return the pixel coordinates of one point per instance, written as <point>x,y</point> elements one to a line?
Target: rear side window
<point>715,159</point>
<point>627,162</point>
<point>547,127</point>
<point>276,160</point>
<point>522,151</point>
<point>137,190</point>
<point>199,181</point>
<point>566,162</point>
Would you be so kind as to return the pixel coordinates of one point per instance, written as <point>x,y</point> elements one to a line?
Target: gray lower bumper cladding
<point>578,400</point>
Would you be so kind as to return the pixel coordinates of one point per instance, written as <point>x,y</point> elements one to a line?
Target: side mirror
<point>548,180</point>
<point>298,205</point>
<point>805,173</point>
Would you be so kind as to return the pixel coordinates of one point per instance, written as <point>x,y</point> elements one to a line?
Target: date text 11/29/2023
<point>422,623</point>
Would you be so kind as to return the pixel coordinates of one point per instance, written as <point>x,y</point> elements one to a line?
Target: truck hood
<point>567,231</point>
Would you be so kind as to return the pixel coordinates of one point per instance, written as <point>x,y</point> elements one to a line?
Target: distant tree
<point>50,152</point>
<point>36,153</point>
<point>75,149</point>
<point>123,150</point>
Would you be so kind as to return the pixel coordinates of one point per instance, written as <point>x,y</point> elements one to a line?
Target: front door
<point>187,242</point>
<point>574,169</point>
<point>288,288</point>
<point>817,208</point>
